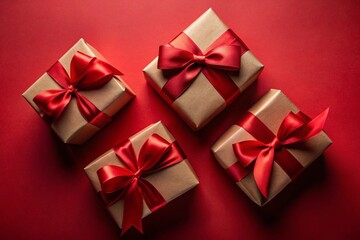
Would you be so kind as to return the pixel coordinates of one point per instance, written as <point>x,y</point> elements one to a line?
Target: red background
<point>310,50</point>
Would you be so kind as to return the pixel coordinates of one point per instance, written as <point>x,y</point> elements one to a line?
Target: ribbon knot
<point>267,147</point>
<point>129,183</point>
<point>199,59</point>
<point>86,73</point>
<point>276,144</point>
<point>137,174</point>
<point>183,61</point>
<point>72,89</point>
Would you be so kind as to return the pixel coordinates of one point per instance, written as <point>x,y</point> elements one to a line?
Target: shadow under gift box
<point>271,109</point>
<point>71,126</point>
<point>201,102</point>
<point>171,182</point>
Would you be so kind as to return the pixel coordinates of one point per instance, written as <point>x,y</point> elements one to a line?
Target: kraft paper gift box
<point>170,182</point>
<point>210,92</point>
<point>106,98</point>
<point>289,159</point>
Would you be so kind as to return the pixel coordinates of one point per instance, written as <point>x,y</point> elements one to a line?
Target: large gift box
<point>202,70</point>
<point>270,146</point>
<point>141,175</point>
<point>79,94</point>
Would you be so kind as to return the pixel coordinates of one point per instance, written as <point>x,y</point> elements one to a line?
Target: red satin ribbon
<point>267,148</point>
<point>129,182</point>
<point>86,73</point>
<point>183,60</point>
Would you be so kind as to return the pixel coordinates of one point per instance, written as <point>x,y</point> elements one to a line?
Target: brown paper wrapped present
<point>294,150</point>
<point>105,99</point>
<point>210,91</point>
<point>170,182</point>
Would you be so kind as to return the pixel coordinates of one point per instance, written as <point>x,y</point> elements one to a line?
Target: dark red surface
<point>310,50</point>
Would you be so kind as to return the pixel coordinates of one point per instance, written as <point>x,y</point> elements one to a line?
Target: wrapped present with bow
<point>270,146</point>
<point>202,70</point>
<point>140,175</point>
<point>79,94</point>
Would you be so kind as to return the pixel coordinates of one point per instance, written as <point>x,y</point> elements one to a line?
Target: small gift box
<point>140,175</point>
<point>79,94</point>
<point>270,146</point>
<point>202,70</point>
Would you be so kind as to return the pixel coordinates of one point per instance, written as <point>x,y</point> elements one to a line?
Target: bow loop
<point>290,123</point>
<point>224,57</point>
<point>78,67</point>
<point>247,151</point>
<point>94,75</point>
<point>59,98</point>
<point>152,152</point>
<point>126,153</point>
<point>174,58</point>
<point>114,178</point>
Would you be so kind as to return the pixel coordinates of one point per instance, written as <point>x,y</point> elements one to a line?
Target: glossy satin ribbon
<point>86,73</point>
<point>267,148</point>
<point>183,60</point>
<point>129,183</point>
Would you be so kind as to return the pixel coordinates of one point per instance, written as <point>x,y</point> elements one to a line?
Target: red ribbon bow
<point>128,182</point>
<point>86,73</point>
<point>185,60</point>
<point>268,148</point>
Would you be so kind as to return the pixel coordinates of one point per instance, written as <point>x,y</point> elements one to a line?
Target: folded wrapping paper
<point>268,149</point>
<point>170,182</point>
<point>200,99</point>
<point>100,92</point>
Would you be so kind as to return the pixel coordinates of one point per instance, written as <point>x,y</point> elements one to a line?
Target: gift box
<point>270,146</point>
<point>141,175</point>
<point>79,94</point>
<point>202,70</point>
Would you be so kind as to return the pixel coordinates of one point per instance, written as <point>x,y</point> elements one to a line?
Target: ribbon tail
<point>152,197</point>
<point>262,170</point>
<point>133,208</point>
<point>90,112</point>
<point>181,81</point>
<point>307,130</point>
